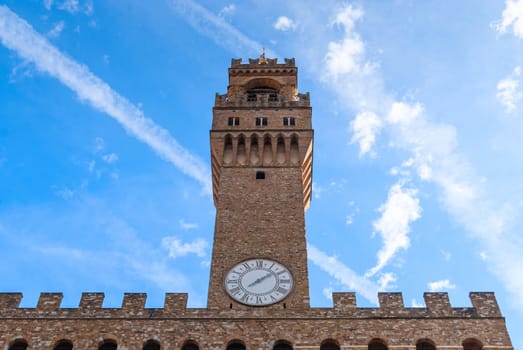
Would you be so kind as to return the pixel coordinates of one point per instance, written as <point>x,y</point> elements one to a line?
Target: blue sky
<point>105,109</point>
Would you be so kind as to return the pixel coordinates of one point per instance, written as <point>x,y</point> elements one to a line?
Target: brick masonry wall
<point>258,328</point>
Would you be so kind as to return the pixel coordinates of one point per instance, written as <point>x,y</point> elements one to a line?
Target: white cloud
<point>402,208</point>
<point>187,225</point>
<point>386,281</point>
<point>227,10</point>
<point>441,285</point>
<point>57,29</point>
<point>343,274</point>
<point>403,113</point>
<point>347,56</point>
<point>71,6</point>
<point>110,158</point>
<point>512,16</point>
<point>365,127</point>
<point>509,92</point>
<point>284,24</point>
<point>177,248</point>
<point>349,219</point>
<point>18,35</point>
<point>216,28</point>
<point>327,293</point>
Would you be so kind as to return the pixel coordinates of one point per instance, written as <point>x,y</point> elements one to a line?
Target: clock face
<point>258,282</point>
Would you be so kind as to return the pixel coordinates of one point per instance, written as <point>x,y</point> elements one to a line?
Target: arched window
<point>329,344</point>
<point>377,344</point>
<point>108,345</point>
<point>472,344</point>
<point>282,345</point>
<point>151,345</point>
<point>425,344</point>
<point>190,345</point>
<point>63,345</point>
<point>18,344</point>
<point>236,345</point>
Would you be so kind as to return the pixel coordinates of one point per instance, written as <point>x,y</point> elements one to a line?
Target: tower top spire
<point>263,60</point>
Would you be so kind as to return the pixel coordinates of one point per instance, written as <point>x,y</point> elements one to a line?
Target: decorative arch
<point>18,344</point>
<point>63,344</point>
<point>227,149</point>
<point>282,345</point>
<point>254,149</point>
<point>378,344</point>
<point>295,149</point>
<point>280,149</point>
<point>108,344</point>
<point>267,149</point>
<point>329,344</point>
<point>425,344</point>
<point>262,85</point>
<point>190,345</point>
<point>241,153</point>
<point>236,345</point>
<point>151,344</point>
<point>472,344</point>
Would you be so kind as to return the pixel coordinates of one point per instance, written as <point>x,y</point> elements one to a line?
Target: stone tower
<point>261,151</point>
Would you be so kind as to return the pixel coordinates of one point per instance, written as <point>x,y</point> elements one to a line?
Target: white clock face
<point>258,282</point>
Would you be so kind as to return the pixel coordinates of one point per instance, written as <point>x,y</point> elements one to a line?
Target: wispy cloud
<point>441,285</point>
<point>397,213</point>
<point>187,225</point>
<point>177,248</point>
<point>509,92</point>
<point>365,127</point>
<point>227,10</point>
<point>342,273</point>
<point>17,35</point>
<point>216,28</point>
<point>57,29</point>
<point>512,16</point>
<point>110,158</point>
<point>284,24</point>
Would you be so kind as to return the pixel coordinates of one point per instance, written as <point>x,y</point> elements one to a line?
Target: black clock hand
<point>259,280</point>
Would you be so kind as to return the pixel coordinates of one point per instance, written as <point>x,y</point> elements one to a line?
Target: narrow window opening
<point>251,97</point>
<point>261,121</point>
<point>289,121</point>
<point>234,121</point>
<point>273,97</point>
<point>260,175</point>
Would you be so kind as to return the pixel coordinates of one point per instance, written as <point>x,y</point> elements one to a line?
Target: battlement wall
<point>484,305</point>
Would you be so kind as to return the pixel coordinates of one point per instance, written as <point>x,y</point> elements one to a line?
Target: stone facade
<point>261,155</point>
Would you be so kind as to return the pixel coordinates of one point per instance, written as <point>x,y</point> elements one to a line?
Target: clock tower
<point>261,151</point>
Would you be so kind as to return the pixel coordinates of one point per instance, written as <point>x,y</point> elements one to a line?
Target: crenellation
<point>175,302</point>
<point>49,301</point>
<point>391,301</point>
<point>344,302</point>
<point>485,304</point>
<point>262,155</point>
<point>91,301</point>
<point>438,303</point>
<point>10,300</point>
<point>134,302</point>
